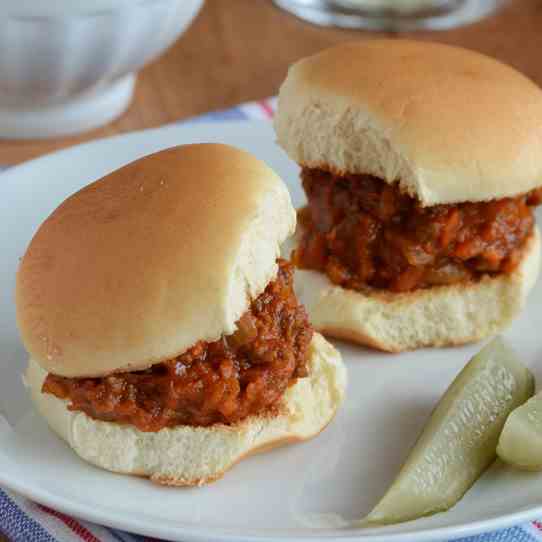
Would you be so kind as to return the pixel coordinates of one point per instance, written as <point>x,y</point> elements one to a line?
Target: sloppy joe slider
<point>165,337</point>
<point>422,165</point>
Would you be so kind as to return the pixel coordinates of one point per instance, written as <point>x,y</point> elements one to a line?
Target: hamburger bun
<point>189,456</point>
<point>137,267</point>
<point>437,316</point>
<point>449,125</point>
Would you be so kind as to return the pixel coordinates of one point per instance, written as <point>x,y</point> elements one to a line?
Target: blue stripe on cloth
<point>217,116</point>
<point>17,526</point>
<point>117,535</point>
<point>513,534</point>
<point>126,537</point>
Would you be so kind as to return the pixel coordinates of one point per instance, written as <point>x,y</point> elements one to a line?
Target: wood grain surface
<point>239,50</point>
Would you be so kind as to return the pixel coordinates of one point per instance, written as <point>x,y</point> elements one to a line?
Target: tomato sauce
<point>213,382</point>
<point>362,232</point>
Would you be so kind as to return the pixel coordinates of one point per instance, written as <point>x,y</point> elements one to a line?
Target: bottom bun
<point>438,316</point>
<point>189,456</point>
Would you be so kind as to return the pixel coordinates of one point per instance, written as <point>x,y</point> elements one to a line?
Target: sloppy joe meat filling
<point>213,382</point>
<point>362,231</point>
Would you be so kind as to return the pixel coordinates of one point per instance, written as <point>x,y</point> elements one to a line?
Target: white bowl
<point>69,65</point>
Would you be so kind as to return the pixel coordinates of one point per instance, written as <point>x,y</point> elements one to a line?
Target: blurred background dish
<point>395,15</point>
<point>239,51</point>
<point>71,66</point>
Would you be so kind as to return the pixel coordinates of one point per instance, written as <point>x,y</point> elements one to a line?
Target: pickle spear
<point>459,442</point>
<point>520,443</point>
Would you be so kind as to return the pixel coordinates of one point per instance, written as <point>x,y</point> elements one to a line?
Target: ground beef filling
<point>220,382</point>
<point>364,232</point>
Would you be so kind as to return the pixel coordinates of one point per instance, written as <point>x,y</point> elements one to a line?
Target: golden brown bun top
<point>140,265</point>
<point>449,124</point>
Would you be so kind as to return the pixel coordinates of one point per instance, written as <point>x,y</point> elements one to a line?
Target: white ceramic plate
<point>313,490</point>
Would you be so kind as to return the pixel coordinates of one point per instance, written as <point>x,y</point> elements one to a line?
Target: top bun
<point>137,267</point>
<point>448,124</point>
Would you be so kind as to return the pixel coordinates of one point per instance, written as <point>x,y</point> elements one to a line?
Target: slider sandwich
<point>422,167</point>
<point>165,338</point>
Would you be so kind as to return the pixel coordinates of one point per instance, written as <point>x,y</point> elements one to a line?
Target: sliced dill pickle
<point>460,439</point>
<point>520,443</point>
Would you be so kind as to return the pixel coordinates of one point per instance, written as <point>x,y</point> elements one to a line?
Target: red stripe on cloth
<point>74,525</point>
<point>267,109</point>
<point>537,525</point>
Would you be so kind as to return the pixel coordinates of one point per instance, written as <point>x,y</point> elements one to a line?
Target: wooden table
<point>239,50</point>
